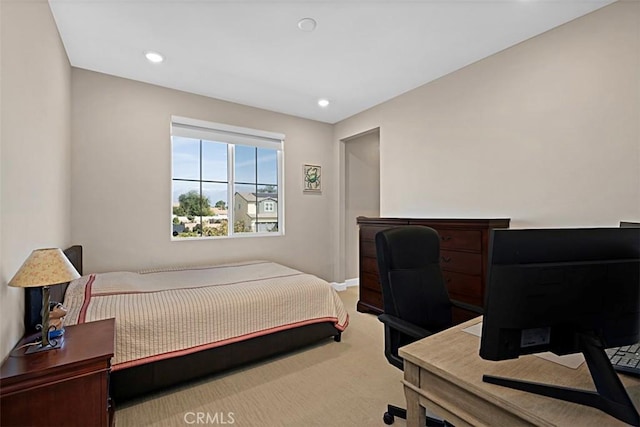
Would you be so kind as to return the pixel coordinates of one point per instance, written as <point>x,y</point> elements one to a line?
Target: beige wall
<point>546,132</point>
<point>121,169</point>
<point>35,148</point>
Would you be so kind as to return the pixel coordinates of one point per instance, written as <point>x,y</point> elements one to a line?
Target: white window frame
<point>232,135</point>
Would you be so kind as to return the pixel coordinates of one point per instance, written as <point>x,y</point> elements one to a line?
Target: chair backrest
<point>413,288</point>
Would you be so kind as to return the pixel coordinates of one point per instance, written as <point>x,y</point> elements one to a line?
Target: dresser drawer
<point>369,265</point>
<point>368,249</point>
<point>463,287</point>
<point>460,239</point>
<point>370,281</point>
<point>459,315</point>
<point>370,297</point>
<point>462,262</point>
<point>369,233</point>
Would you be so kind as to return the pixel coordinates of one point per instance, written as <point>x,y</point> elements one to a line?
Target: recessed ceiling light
<point>154,57</point>
<point>307,24</point>
<point>323,103</point>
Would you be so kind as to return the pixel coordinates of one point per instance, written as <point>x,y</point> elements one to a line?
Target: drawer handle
<point>445,238</point>
<point>446,259</point>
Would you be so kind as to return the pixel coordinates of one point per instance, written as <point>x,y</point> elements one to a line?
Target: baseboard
<point>346,284</point>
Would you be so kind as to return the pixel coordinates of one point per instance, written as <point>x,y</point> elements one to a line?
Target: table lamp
<point>43,268</point>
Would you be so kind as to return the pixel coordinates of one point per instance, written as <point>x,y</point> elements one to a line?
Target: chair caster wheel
<point>388,418</point>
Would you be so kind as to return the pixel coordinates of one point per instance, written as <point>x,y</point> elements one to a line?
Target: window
<point>225,175</point>
<point>269,206</point>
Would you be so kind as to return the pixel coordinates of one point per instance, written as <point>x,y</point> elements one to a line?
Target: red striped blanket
<point>166,313</point>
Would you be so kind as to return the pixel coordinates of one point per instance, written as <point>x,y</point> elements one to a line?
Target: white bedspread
<point>167,313</point>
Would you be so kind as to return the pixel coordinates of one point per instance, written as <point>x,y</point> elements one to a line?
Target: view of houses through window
<point>217,183</point>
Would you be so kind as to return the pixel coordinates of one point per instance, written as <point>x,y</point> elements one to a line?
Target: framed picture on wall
<point>312,178</point>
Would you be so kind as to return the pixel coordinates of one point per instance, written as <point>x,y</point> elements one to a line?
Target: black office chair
<point>415,299</point>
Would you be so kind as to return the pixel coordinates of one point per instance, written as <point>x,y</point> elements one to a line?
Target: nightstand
<point>68,386</point>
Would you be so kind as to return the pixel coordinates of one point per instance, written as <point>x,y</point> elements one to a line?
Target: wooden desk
<point>444,373</point>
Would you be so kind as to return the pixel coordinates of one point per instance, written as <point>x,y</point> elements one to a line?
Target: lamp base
<point>53,345</point>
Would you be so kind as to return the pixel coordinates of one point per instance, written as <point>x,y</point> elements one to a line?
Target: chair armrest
<point>404,326</point>
<point>469,307</point>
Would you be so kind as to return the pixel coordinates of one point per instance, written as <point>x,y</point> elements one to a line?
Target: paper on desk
<point>572,361</point>
<point>474,329</point>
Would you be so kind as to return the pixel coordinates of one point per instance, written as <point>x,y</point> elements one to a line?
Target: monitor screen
<point>545,286</point>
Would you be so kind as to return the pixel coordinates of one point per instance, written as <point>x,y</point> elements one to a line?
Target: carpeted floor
<point>329,384</point>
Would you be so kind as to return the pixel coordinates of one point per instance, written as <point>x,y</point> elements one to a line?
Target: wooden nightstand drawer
<point>68,386</point>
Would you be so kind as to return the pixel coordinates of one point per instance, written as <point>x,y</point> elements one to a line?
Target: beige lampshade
<point>44,267</point>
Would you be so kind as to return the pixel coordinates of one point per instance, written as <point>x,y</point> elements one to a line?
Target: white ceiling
<point>362,52</point>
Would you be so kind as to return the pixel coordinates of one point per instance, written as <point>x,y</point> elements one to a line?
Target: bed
<point>208,318</point>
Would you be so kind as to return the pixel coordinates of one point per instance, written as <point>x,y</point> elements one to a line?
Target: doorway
<point>362,192</point>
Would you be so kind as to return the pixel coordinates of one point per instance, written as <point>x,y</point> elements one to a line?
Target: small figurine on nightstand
<point>56,317</point>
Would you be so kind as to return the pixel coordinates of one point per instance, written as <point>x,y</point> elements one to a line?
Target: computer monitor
<point>564,291</point>
<point>629,224</point>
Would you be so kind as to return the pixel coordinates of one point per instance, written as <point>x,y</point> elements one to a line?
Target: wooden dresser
<point>463,251</point>
<point>68,386</point>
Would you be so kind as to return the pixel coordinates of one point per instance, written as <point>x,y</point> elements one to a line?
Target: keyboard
<point>625,359</point>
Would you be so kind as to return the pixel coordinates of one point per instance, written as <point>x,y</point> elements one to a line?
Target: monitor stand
<point>610,395</point>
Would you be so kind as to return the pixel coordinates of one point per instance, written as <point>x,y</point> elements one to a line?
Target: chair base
<point>395,411</point>
<point>392,412</point>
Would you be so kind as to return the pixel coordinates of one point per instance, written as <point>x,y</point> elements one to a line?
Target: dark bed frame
<point>137,381</point>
